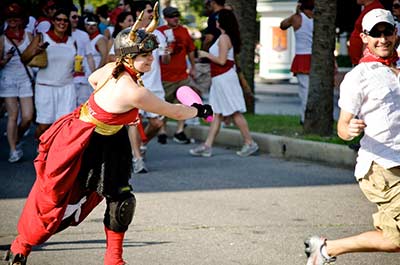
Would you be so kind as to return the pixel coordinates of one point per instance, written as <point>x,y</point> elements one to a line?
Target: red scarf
<point>94,35</point>
<point>368,57</point>
<point>57,39</point>
<point>12,35</point>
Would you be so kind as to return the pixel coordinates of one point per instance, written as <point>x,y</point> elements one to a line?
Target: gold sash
<point>101,127</point>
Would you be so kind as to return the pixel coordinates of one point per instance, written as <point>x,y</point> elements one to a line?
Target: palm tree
<point>246,13</point>
<point>319,111</point>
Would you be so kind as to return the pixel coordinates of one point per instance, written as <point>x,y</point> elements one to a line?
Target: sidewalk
<point>267,96</point>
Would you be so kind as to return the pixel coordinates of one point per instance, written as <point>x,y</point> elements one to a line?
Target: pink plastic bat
<point>187,97</point>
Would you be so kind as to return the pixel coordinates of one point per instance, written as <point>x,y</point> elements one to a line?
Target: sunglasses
<point>374,33</point>
<point>75,17</point>
<point>58,19</point>
<point>396,6</point>
<point>149,11</point>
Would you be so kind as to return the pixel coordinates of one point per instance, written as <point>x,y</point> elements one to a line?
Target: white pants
<point>304,81</point>
<point>83,92</point>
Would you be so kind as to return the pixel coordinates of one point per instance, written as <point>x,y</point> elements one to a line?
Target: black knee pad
<point>119,214</point>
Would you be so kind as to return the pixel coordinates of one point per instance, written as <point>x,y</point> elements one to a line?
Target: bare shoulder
<point>225,41</point>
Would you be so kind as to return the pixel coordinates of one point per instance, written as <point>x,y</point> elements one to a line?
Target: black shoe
<point>181,138</point>
<point>17,259</point>
<point>162,138</point>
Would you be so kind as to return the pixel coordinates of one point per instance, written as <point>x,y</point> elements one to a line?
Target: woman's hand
<point>203,111</point>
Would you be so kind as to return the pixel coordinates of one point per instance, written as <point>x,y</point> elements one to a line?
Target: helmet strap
<point>133,72</point>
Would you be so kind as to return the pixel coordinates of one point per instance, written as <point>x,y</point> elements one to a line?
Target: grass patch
<point>286,125</point>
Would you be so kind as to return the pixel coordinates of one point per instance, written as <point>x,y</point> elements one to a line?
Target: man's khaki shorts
<point>382,186</point>
<point>170,89</point>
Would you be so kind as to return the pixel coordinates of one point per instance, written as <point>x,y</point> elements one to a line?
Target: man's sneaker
<point>313,248</point>
<point>181,138</point>
<point>162,138</point>
<point>15,155</point>
<point>201,150</point>
<point>143,149</point>
<point>248,149</point>
<point>139,166</point>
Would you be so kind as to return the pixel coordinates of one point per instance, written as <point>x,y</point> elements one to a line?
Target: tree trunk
<point>246,12</point>
<point>319,111</point>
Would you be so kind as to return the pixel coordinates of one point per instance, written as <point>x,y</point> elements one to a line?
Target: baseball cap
<point>376,16</point>
<point>90,20</point>
<point>171,12</point>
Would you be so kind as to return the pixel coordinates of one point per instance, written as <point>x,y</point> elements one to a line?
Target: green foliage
<point>96,3</point>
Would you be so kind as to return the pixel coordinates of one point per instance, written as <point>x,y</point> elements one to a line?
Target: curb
<point>279,146</point>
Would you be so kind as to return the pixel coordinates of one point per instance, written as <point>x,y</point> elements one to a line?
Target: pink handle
<point>187,97</point>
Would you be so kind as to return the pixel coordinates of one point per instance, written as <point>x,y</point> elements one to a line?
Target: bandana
<point>12,35</point>
<point>57,39</point>
<point>368,57</point>
<point>94,35</point>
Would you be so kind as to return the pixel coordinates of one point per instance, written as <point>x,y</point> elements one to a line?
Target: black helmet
<point>132,41</point>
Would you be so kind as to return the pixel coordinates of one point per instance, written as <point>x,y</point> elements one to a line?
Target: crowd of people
<point>89,83</point>
<point>76,44</point>
<point>99,87</point>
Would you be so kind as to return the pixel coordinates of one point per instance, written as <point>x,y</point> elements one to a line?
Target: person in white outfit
<point>98,42</point>
<point>55,93</point>
<point>84,49</point>
<point>15,83</point>
<point>303,25</point>
<point>369,104</point>
<point>152,82</point>
<point>226,95</point>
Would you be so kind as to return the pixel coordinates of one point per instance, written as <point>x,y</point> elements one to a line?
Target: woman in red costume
<point>85,156</point>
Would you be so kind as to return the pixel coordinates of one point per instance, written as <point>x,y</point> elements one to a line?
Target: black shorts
<point>107,164</point>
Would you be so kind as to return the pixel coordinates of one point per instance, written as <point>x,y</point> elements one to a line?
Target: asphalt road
<point>209,211</point>
<point>198,211</point>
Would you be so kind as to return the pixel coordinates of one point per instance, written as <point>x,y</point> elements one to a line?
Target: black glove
<point>203,111</point>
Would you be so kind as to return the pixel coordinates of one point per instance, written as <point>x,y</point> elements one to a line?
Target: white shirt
<point>152,79</point>
<point>304,35</point>
<point>60,63</point>
<point>84,49</point>
<point>371,91</point>
<point>42,26</point>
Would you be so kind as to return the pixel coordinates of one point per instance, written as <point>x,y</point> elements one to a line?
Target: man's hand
<point>355,127</point>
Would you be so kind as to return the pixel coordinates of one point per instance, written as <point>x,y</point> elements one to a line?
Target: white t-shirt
<point>371,91</point>
<point>60,63</point>
<point>42,26</point>
<point>152,79</point>
<point>84,49</point>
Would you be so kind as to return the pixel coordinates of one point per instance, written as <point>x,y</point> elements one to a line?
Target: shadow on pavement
<point>173,169</point>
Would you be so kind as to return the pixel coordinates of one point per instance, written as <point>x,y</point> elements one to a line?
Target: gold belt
<point>101,127</point>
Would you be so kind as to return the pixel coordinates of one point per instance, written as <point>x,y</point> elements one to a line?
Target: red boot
<point>114,242</point>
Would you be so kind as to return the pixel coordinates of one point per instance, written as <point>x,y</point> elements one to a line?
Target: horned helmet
<point>133,41</point>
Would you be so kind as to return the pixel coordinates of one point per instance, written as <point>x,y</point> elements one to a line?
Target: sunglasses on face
<point>58,19</point>
<point>374,33</point>
<point>74,17</point>
<point>149,11</point>
<point>396,6</point>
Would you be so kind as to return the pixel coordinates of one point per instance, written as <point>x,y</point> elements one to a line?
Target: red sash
<point>217,69</point>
